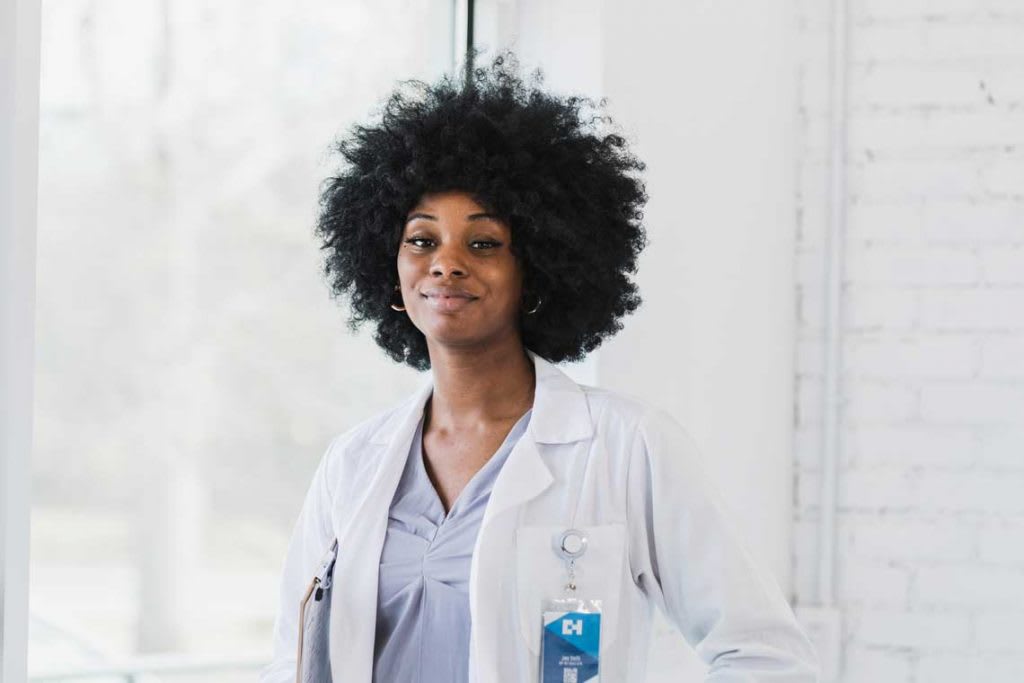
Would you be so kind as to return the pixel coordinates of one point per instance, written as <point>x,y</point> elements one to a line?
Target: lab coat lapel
<point>560,415</point>
<point>524,476</point>
<point>354,605</point>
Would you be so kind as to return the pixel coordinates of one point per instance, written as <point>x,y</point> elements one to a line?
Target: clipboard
<point>313,664</point>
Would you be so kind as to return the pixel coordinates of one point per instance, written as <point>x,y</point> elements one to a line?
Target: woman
<point>488,231</point>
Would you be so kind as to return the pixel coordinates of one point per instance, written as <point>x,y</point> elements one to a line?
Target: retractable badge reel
<point>571,633</point>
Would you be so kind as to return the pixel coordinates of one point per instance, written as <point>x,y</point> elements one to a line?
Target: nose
<point>448,261</point>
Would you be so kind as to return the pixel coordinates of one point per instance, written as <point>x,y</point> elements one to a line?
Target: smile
<point>448,304</point>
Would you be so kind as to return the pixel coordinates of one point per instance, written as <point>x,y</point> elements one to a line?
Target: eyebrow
<point>472,216</point>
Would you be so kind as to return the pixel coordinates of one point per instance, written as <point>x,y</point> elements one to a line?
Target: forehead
<point>453,201</point>
<point>453,207</point>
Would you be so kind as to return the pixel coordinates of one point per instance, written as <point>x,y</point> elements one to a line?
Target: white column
<point>19,140</point>
<point>173,515</point>
<point>708,92</point>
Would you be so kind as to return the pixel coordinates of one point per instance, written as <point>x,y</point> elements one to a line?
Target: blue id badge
<point>570,642</point>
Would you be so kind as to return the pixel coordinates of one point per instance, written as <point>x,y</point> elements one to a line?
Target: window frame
<point>19,163</point>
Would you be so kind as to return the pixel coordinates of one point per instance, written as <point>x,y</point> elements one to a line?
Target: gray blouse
<point>423,585</point>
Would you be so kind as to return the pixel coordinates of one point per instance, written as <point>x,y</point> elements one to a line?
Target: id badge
<point>571,633</point>
<point>570,640</point>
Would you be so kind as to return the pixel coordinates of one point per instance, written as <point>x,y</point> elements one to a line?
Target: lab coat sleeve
<point>310,539</point>
<point>688,556</point>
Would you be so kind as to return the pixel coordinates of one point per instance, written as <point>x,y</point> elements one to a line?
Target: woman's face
<point>460,282</point>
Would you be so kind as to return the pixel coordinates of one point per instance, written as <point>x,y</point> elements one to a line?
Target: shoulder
<point>353,449</point>
<point>649,428</point>
<point>622,409</point>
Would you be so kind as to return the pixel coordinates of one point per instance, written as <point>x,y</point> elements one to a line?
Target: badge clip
<point>570,546</point>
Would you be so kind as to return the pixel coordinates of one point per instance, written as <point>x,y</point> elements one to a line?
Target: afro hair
<point>535,159</point>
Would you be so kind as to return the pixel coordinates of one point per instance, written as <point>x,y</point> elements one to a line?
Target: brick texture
<point>930,573</point>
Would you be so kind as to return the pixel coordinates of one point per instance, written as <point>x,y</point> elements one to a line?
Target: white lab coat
<point>610,464</point>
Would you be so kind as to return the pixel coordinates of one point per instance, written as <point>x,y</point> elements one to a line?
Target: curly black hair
<point>533,158</point>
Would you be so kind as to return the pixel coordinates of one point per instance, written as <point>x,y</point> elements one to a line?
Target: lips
<point>448,304</point>
<point>448,290</point>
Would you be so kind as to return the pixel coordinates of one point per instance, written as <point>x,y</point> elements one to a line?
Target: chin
<point>456,336</point>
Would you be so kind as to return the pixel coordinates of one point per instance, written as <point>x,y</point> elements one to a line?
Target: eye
<point>414,240</point>
<point>491,243</point>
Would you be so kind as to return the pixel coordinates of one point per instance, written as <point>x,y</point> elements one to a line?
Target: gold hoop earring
<point>398,288</point>
<point>534,309</point>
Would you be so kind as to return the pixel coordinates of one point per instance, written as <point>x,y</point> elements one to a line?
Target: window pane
<point>191,366</point>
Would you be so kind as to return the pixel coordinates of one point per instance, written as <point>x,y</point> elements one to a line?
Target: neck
<point>477,387</point>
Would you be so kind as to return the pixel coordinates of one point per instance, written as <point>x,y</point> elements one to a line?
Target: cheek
<point>518,276</point>
<point>513,288</point>
<point>404,264</point>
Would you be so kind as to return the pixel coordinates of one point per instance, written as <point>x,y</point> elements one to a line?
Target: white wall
<point>930,574</point>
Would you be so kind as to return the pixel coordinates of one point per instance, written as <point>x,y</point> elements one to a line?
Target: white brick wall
<point>930,574</point>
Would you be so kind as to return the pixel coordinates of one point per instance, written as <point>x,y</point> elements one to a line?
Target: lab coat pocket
<point>541,574</point>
